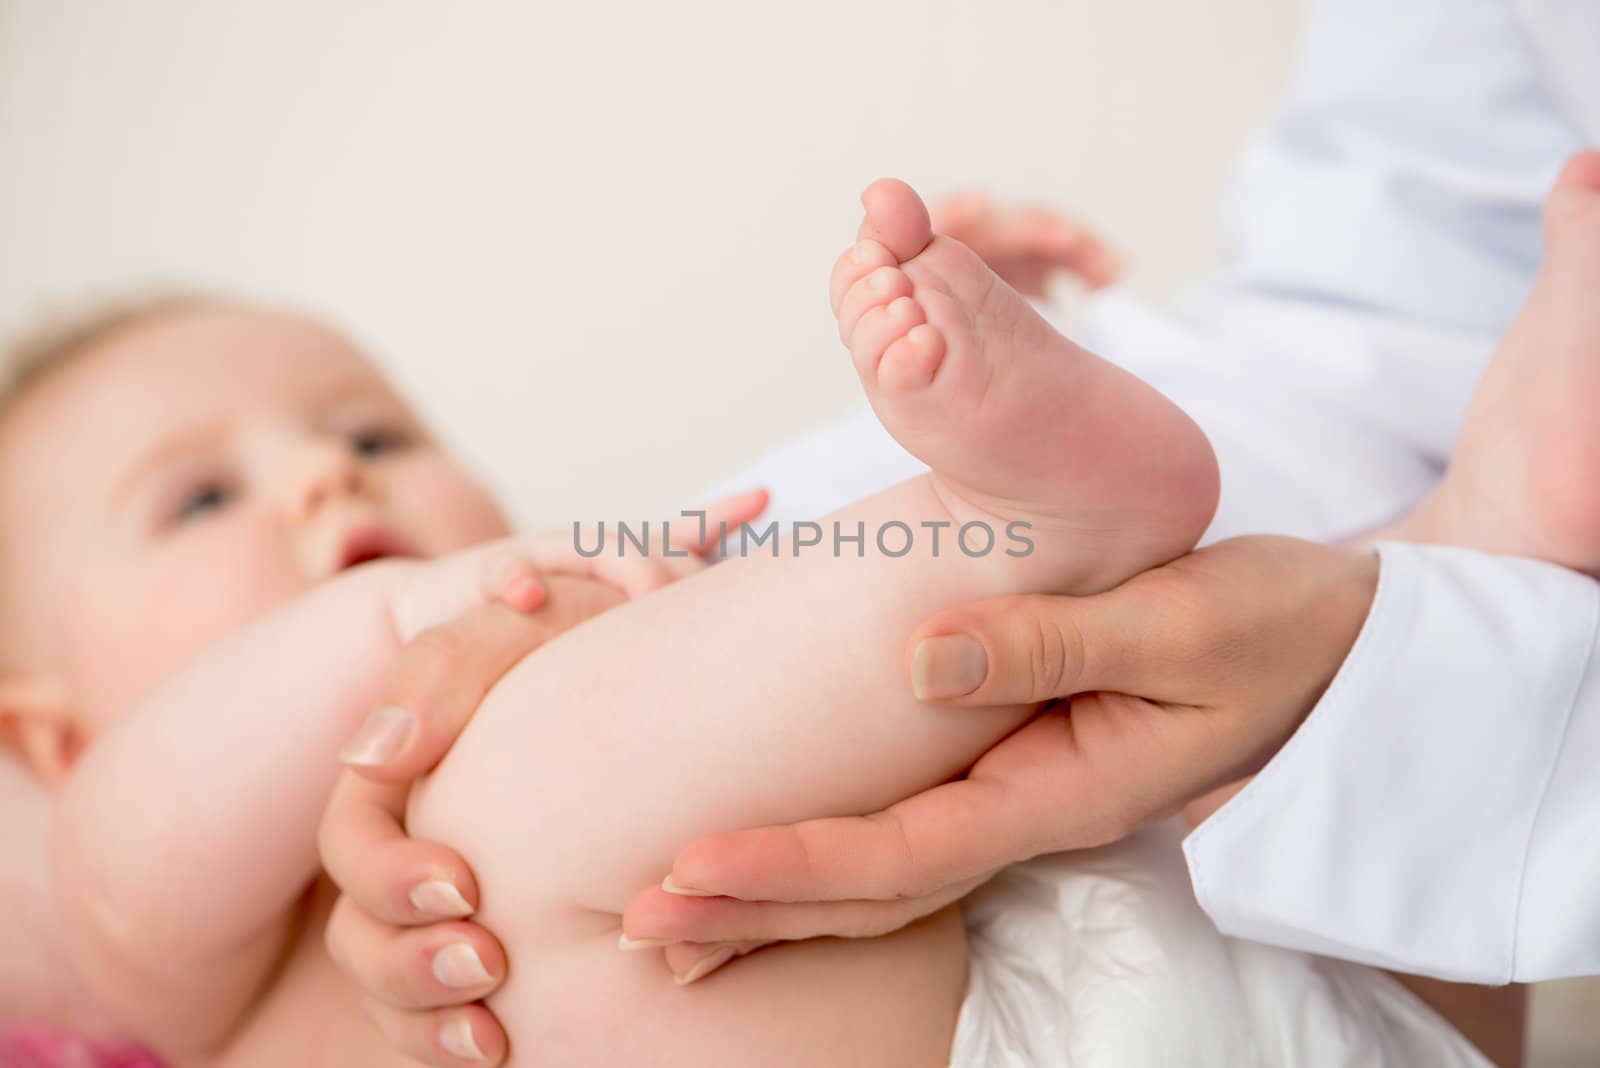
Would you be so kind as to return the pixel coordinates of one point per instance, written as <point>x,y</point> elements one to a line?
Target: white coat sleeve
<point>1439,810</point>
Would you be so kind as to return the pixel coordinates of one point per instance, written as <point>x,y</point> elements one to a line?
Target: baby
<point>197,742</point>
<point>190,635</point>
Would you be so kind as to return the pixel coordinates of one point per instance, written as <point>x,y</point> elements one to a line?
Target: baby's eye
<point>204,500</point>
<point>379,441</point>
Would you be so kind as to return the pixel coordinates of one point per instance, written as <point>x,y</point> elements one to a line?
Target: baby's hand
<point>512,570</point>
<point>1025,246</point>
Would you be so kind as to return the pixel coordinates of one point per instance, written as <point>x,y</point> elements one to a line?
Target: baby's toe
<point>910,362</point>
<point>882,286</point>
<point>879,328</point>
<point>854,263</point>
<point>896,217</point>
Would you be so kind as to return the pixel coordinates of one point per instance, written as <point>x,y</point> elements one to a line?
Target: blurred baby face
<point>192,473</point>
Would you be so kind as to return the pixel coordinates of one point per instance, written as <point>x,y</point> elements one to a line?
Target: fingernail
<point>379,739</point>
<point>459,967</point>
<point>683,891</point>
<point>705,966</point>
<point>624,942</point>
<point>440,899</point>
<point>455,1038</point>
<point>950,665</point>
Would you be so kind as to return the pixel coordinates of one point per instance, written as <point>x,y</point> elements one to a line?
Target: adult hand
<point>400,931</point>
<point>1187,677</point>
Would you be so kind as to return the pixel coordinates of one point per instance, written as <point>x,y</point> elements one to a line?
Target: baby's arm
<point>188,831</point>
<point>37,985</point>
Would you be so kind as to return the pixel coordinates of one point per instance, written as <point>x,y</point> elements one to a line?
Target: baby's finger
<point>961,213</point>
<point>414,967</point>
<point>1067,245</point>
<point>464,1037</point>
<point>727,514</point>
<point>398,880</point>
<point>655,917</point>
<point>514,580</point>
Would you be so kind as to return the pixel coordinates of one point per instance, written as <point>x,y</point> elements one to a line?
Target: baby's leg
<point>769,690</point>
<point>1523,478</point>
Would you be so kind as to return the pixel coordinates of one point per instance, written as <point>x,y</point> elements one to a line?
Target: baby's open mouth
<point>366,544</point>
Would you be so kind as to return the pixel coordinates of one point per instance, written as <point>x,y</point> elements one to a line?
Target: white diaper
<point>1102,959</point>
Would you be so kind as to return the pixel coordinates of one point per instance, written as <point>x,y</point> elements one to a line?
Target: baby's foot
<point>1015,419</point>
<point>1523,478</point>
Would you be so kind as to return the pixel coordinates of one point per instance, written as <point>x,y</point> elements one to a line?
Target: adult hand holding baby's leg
<point>1187,677</point>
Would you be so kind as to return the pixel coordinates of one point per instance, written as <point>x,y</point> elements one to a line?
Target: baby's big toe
<point>896,217</point>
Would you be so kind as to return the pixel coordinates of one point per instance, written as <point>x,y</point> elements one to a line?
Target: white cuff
<point>1439,810</point>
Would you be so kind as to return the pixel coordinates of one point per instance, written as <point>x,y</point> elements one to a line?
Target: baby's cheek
<point>178,600</point>
<point>444,509</point>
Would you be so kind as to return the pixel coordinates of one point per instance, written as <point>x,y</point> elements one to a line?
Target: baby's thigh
<point>889,1001</point>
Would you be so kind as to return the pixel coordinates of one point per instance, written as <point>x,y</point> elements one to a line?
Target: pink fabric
<point>41,1048</point>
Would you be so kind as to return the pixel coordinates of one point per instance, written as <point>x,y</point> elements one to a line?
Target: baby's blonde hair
<point>54,343</point>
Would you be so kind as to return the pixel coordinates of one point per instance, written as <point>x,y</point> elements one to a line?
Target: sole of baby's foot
<point>1014,419</point>
<point>1522,477</point>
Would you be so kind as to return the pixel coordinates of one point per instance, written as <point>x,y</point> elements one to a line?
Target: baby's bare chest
<point>309,1014</point>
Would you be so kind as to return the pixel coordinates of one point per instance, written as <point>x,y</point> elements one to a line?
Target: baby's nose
<point>324,473</point>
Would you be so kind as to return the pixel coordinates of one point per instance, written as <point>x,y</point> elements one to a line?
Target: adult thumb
<point>1029,648</point>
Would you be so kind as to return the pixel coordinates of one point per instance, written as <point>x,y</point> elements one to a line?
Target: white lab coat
<point>1439,812</point>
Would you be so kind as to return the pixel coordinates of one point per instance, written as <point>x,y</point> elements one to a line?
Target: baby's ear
<point>37,724</point>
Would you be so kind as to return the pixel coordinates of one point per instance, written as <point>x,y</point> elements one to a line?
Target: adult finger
<point>400,881</point>
<point>443,674</point>
<point>464,1037</point>
<point>919,846</point>
<point>691,962</point>
<point>414,967</point>
<point>1074,776</point>
<point>1038,647</point>
<point>656,917</point>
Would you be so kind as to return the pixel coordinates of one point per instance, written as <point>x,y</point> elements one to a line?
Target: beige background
<point>593,237</point>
